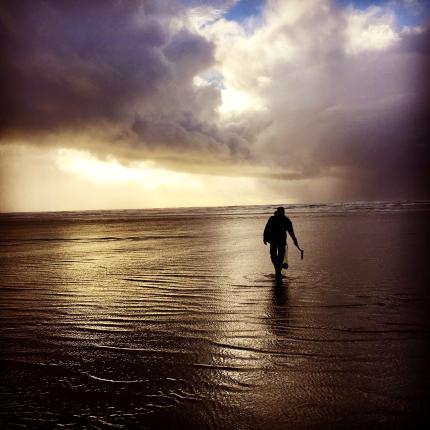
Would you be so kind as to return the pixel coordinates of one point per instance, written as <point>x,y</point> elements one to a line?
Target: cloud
<point>306,91</point>
<point>370,30</point>
<point>69,64</point>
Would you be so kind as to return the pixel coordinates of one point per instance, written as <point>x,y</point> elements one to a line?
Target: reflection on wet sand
<point>279,309</point>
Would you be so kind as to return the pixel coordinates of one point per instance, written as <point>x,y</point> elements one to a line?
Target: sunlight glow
<point>238,101</point>
<point>233,100</point>
<point>111,172</point>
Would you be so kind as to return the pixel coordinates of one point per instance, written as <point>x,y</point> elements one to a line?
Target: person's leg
<point>274,255</point>
<point>275,259</point>
<point>281,254</point>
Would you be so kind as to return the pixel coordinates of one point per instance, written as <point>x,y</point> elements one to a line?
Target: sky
<point>168,103</point>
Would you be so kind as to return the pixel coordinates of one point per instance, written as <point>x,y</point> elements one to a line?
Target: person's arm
<point>291,233</point>
<point>266,234</point>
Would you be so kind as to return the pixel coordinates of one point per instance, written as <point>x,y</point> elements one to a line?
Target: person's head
<point>280,211</point>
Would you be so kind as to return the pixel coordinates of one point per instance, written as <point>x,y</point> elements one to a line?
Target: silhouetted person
<point>275,233</point>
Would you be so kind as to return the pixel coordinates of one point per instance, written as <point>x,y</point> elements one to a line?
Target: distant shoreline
<point>291,207</point>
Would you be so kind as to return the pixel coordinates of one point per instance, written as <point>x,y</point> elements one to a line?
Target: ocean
<point>172,319</point>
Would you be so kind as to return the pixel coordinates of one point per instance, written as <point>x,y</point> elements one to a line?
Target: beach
<point>172,319</point>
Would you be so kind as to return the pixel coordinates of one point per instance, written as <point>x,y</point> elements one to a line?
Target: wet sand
<point>172,319</point>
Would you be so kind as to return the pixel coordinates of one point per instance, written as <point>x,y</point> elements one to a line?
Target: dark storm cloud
<point>65,64</point>
<point>68,64</point>
<point>186,132</point>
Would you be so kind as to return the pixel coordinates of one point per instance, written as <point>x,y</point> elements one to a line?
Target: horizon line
<point>286,205</point>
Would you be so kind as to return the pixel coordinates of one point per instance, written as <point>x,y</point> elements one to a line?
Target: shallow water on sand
<point>172,319</point>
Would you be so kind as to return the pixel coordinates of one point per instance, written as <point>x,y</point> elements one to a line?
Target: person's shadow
<point>279,307</point>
